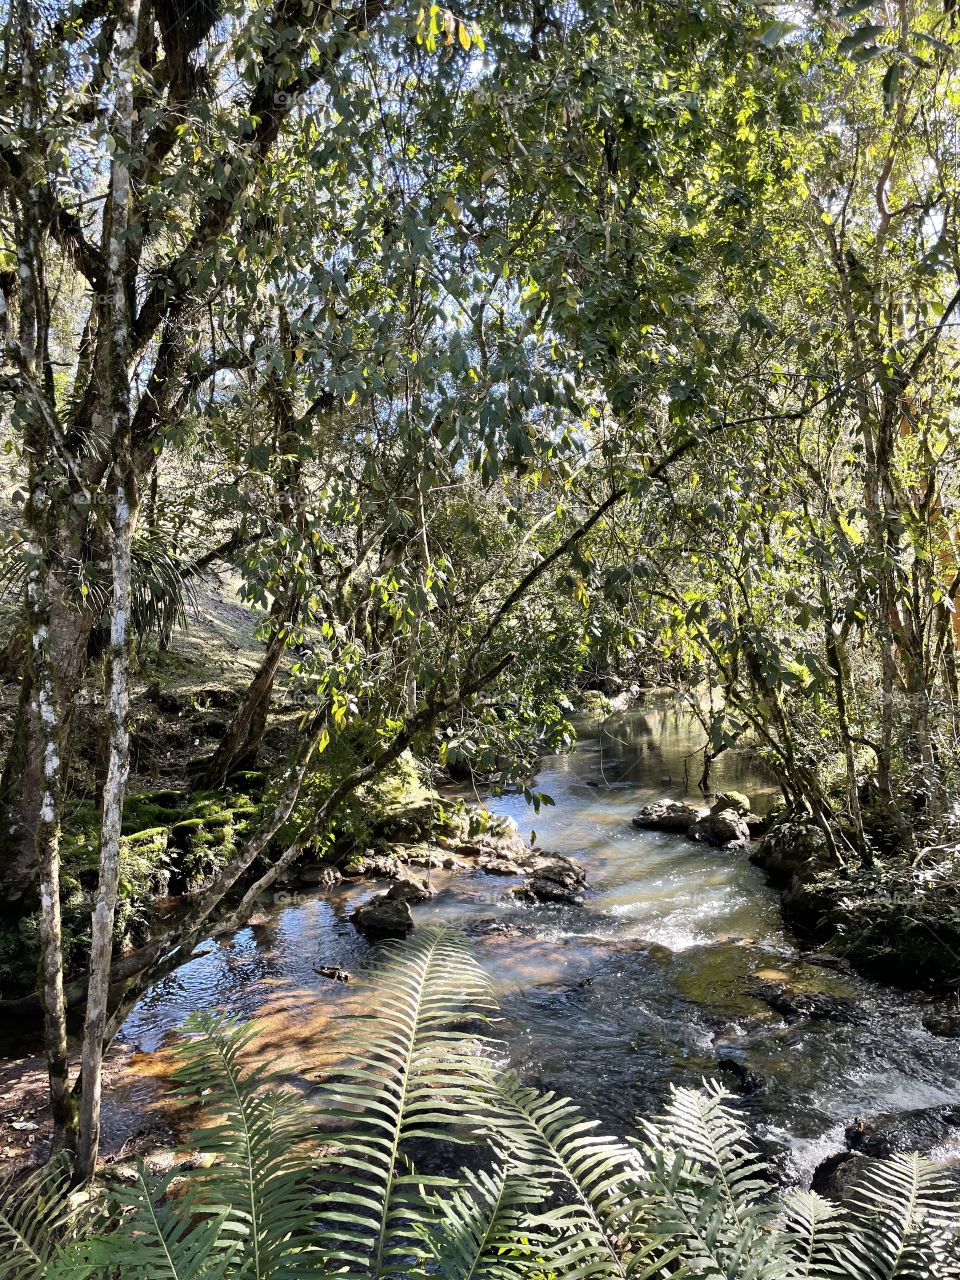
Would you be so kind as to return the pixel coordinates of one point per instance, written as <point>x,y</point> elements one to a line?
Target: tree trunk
<point>242,737</point>
<point>117,418</point>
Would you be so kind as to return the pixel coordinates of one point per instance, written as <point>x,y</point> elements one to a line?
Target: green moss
<point>249,781</point>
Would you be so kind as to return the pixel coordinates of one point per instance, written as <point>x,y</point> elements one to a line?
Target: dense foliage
<point>487,353</point>
<point>541,1195</point>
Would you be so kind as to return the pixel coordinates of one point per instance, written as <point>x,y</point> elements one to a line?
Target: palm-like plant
<point>329,1187</point>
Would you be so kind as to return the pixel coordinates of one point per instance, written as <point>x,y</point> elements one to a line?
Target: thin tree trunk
<point>241,739</point>
<point>837,665</point>
<point>117,412</point>
<point>45,725</point>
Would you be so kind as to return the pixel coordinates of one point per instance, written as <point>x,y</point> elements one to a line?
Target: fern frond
<point>162,1235</point>
<point>814,1229</point>
<point>37,1214</point>
<point>597,1177</point>
<point>413,1075</point>
<point>707,1189</point>
<point>489,1230</point>
<point>258,1134</point>
<point>905,1214</point>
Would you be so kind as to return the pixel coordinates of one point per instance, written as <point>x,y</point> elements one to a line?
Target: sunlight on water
<point>647,983</point>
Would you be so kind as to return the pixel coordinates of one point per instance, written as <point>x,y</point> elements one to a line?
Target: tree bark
<point>117,418</point>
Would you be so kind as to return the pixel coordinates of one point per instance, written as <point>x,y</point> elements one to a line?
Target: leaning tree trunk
<point>241,740</point>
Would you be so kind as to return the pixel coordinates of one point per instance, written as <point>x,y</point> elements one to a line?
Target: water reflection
<point>646,984</point>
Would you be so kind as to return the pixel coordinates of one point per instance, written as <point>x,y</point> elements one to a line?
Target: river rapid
<point>646,984</point>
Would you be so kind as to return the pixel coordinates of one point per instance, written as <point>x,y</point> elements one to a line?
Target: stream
<point>645,985</point>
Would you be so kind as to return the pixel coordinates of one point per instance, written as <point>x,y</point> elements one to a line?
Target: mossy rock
<point>149,843</point>
<point>792,847</point>
<point>248,781</point>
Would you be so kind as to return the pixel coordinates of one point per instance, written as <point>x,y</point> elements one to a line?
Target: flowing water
<point>646,984</point>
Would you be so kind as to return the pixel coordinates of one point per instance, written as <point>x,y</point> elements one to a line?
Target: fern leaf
<point>595,1175</point>
<point>904,1213</point>
<point>814,1229</point>
<point>36,1215</point>
<point>258,1133</point>
<point>161,1236</point>
<point>413,1076</point>
<point>488,1230</point>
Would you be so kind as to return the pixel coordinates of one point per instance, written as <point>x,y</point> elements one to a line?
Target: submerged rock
<point>896,1134</point>
<point>943,1024</point>
<point>747,1080</point>
<point>332,971</point>
<point>726,829</point>
<point>668,815</point>
<point>794,1005</point>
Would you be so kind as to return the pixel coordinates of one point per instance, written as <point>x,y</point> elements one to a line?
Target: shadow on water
<point>646,984</point>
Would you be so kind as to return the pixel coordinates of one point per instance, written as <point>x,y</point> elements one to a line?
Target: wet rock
<point>494,865</point>
<point>920,1130</point>
<point>823,960</point>
<point>331,971</point>
<point>259,920</point>
<point>668,815</point>
<point>747,1080</point>
<point>779,1168</point>
<point>553,878</point>
<point>316,874</point>
<point>835,1177</point>
<point>757,826</point>
<point>543,889</point>
<point>383,917</point>
<point>723,830</point>
<point>943,1024</point>
<point>410,889</point>
<point>794,1005</point>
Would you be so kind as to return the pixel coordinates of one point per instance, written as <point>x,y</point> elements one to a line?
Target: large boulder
<point>668,815</point>
<point>725,829</point>
<point>792,847</point>
<point>896,1134</point>
<point>735,800</point>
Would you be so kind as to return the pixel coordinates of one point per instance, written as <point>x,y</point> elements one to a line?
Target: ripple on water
<point>644,985</point>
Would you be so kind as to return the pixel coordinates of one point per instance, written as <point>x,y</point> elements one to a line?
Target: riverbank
<point>897,922</point>
<point>671,964</point>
